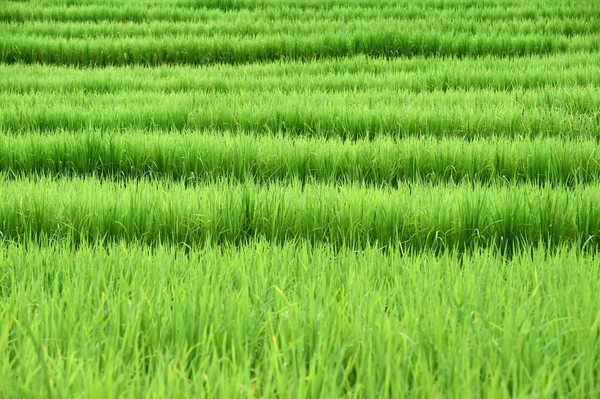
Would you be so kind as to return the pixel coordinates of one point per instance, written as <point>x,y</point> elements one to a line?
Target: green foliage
<point>361,73</point>
<point>205,32</point>
<point>416,217</point>
<point>299,198</point>
<point>263,321</point>
<point>565,113</point>
<point>211,157</point>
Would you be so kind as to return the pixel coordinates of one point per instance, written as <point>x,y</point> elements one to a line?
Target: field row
<point>574,100</point>
<point>210,157</point>
<point>314,198</point>
<point>357,73</point>
<point>235,11</point>
<point>206,32</point>
<point>245,26</point>
<point>374,42</point>
<point>411,218</point>
<point>561,112</point>
<point>269,321</point>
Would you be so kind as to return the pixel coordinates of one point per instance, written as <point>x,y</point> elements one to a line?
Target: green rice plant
<point>192,10</point>
<point>199,34</point>
<point>315,198</point>
<point>357,73</point>
<point>562,112</point>
<point>226,49</point>
<point>265,321</point>
<point>241,25</point>
<point>417,217</point>
<point>210,157</point>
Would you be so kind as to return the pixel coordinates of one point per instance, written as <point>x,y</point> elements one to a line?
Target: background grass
<point>121,33</point>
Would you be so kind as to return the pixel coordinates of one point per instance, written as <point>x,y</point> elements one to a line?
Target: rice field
<point>277,198</point>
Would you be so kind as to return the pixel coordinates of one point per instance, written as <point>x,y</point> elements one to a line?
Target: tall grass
<point>262,321</point>
<point>243,26</point>
<point>314,198</point>
<point>201,32</point>
<point>561,112</point>
<point>226,49</point>
<point>404,74</point>
<point>210,157</point>
<point>193,10</point>
<point>504,218</point>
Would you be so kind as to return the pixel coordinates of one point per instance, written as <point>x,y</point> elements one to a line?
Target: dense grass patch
<point>200,32</point>
<point>416,74</point>
<point>299,198</point>
<point>565,113</point>
<point>205,157</point>
<point>414,217</point>
<point>300,321</point>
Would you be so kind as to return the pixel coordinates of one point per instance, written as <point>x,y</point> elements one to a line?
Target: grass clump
<point>302,321</point>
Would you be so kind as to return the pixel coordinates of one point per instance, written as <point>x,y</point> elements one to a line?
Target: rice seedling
<point>193,10</point>
<point>227,49</point>
<point>240,157</point>
<point>357,73</point>
<point>420,217</point>
<point>243,26</point>
<point>264,321</point>
<point>565,113</point>
<point>203,33</point>
<point>314,198</point>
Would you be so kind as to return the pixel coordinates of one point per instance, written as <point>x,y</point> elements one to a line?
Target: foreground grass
<point>126,321</point>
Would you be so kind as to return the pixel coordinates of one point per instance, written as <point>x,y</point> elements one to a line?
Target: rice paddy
<point>277,198</point>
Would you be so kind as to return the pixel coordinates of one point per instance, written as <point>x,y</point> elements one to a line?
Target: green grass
<point>200,33</point>
<point>242,25</point>
<point>262,321</point>
<point>199,10</point>
<point>562,112</point>
<point>299,198</point>
<point>240,157</point>
<point>416,74</point>
<point>203,51</point>
<point>415,218</point>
